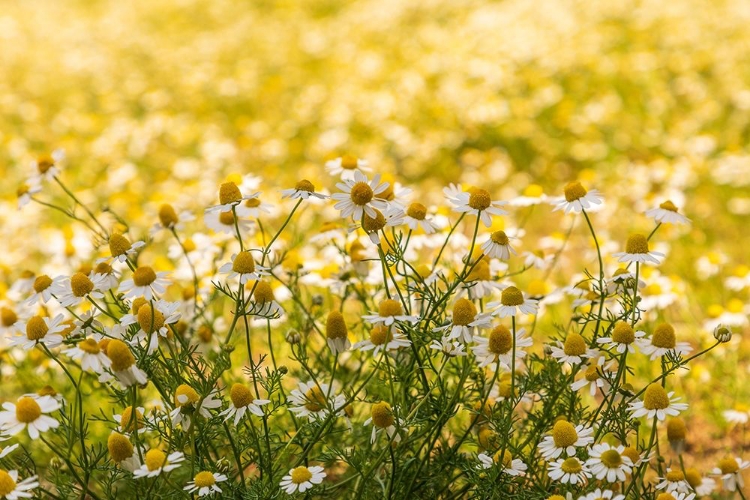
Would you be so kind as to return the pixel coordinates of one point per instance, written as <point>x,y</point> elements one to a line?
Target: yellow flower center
<point>36,328</point>
<point>205,334</point>
<point>155,459</point>
<point>623,333</point>
<point>130,422</point>
<point>676,429</point>
<point>487,437</point>
<point>571,466</point>
<point>47,390</point>
<point>503,457</point>
<point>501,340</point>
<point>464,311</point>
<point>304,185</point>
<point>89,346</point>
<point>373,224</point>
<point>229,193</point>
<point>533,191</point>
<point>664,337</point>
<point>574,191</point>
<point>693,477</point>
<point>479,199</point>
<point>119,353</point>
<point>556,497</point>
<point>728,465</point>
<point>150,319</point>
<point>137,304</point>
<point>389,307</point>
<point>22,190</point>
<point>500,238</point>
<point>227,218</point>
<point>81,285</point>
<point>574,345</point>
<point>204,479</point>
<point>240,396</point>
<point>103,268</point>
<point>564,434</point>
<point>252,203</point>
<point>611,459</point>
<point>185,395</point>
<point>674,476</point>
<point>349,162</point>
<point>417,211</point>
<point>119,447</point>
<point>361,193</point>
<point>263,292</point>
<point>655,398</point>
<point>316,400</point>
<point>8,316</point>
<point>144,276</point>
<point>7,484</point>
<point>335,326</point>
<point>243,263</point>
<point>637,243</point>
<point>591,373</point>
<point>382,415</point>
<point>118,244</point>
<point>511,296</point>
<point>631,453</point>
<point>167,215</point>
<point>380,335</point>
<point>503,388</point>
<point>481,272</point>
<point>668,205</point>
<point>27,410</point>
<point>44,163</point>
<point>665,496</point>
<point>300,475</point>
<point>41,283</point>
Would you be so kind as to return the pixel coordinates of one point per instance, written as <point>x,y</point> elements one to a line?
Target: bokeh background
<point>159,101</point>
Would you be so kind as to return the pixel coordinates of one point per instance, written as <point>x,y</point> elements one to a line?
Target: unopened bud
<point>722,333</point>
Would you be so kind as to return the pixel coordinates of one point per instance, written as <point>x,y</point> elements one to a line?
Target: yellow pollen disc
<point>27,274</point>
<point>574,345</point>
<point>300,475</point>
<point>103,268</point>
<point>243,263</point>
<point>167,215</point>
<point>382,415</point>
<point>81,285</point>
<point>149,319</point>
<point>41,283</point>
<point>728,465</point>
<point>500,238</point>
<point>674,476</point>
<point>503,457</point>
<point>304,185</point>
<point>186,391</point>
<point>668,205</point>
<point>564,434</point>
<point>479,199</point>
<point>373,225</point>
<point>119,447</point>
<point>144,276</point>
<point>240,395</point>
<point>89,346</point>
<point>36,328</point>
<point>227,218</point>
<point>511,296</point>
<point>335,326</point>
<point>623,333</point>
<point>487,438</point>
<point>7,484</point>
<point>27,410</point>
<point>252,203</point>
<point>137,304</point>
<point>571,466</point>
<point>631,453</point>
<point>316,400</point>
<point>676,429</point>
<point>611,459</point>
<point>693,477</point>
<point>47,390</point>
<point>130,422</point>
<point>349,162</point>
<point>119,353</point>
<point>664,337</point>
<point>380,335</point>
<point>501,340</point>
<point>556,497</point>
<point>205,334</point>
<point>118,244</point>
<point>44,163</point>
<point>417,211</point>
<point>665,496</point>
<point>503,389</point>
<point>155,459</point>
<point>263,292</point>
<point>655,397</point>
<point>22,190</point>
<point>389,307</point>
<point>637,243</point>
<point>8,316</point>
<point>229,193</point>
<point>533,191</point>
<point>204,479</point>
<point>591,373</point>
<point>574,191</point>
<point>464,311</point>
<point>481,272</point>
<point>361,193</point>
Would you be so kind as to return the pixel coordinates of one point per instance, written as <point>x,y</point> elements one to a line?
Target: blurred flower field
<point>146,103</point>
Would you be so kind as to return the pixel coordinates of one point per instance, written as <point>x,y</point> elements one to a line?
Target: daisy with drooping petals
<point>89,353</point>
<point>499,347</point>
<point>242,402</point>
<point>47,166</point>
<point>508,464</point>
<point>389,311</point>
<point>302,479</point>
<point>4,452</point>
<point>25,192</point>
<point>312,400</point>
<point>129,421</point>
<point>657,403</point>
<point>155,321</point>
<point>13,489</point>
<point>574,350</point>
<point>416,217</point>
<point>39,331</point>
<point>29,413</point>
<point>145,283</point>
<point>44,288</point>
<point>204,483</point>
<point>450,348</point>
<point>359,196</point>
<point>636,250</point>
<point>599,494</point>
<point>623,338</point>
<point>303,190</point>
<point>568,471</point>
<point>337,334</point>
<point>663,342</point>
<point>229,197</point>
<point>169,219</point>
<point>607,462</point>
<point>225,222</point>
<point>476,201</point>
<point>498,246</point>
<point>123,365</point>
<point>373,225</point>
<point>576,199</point>
<point>253,207</point>
<point>593,378</point>
<point>512,301</point>
<point>383,418</point>
<point>674,480</point>
<point>383,338</point>
<point>81,286</point>
<point>666,213</point>
<point>465,321</point>
<point>243,265</point>
<point>156,462</point>
<point>565,438</point>
<point>346,166</point>
<point>121,249</point>
<point>186,404</point>
<point>730,471</point>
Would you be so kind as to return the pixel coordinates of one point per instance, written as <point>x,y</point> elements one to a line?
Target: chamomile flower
<point>242,402</point>
<point>666,213</point>
<point>383,338</point>
<point>170,219</point>
<point>476,201</point>
<point>337,335</point>
<point>533,194</point>
<point>663,342</point>
<point>657,403</point>
<point>592,377</point>
<point>702,485</point>
<point>302,479</point>
<point>224,222</point>
<point>303,190</point>
<point>346,166</point>
<point>312,400</point>
<point>464,321</point>
<point>574,350</point>
<point>636,250</point>
<point>608,463</point>
<point>674,480</point>
<point>416,217</point>
<point>264,301</point>
<point>29,413</point>
<point>129,421</point>
<point>145,283</point>
<point>730,471</point>
<point>576,199</point>
<point>123,365</point>
<point>13,489</point>
<point>600,494</point>
<point>736,416</point>
<point>122,249</point>
<point>230,197</point>
<point>389,311</point>
<point>359,196</point>
<point>47,166</point>
<point>479,283</point>
<point>187,401</point>
<point>156,461</point>
<point>499,347</point>
<point>508,464</point>
<point>205,483</point>
<point>26,190</point>
<point>155,321</point>
<point>565,438</point>
<point>383,418</point>
<point>79,287</point>
<point>498,246</point>
<point>449,347</point>
<point>512,301</point>
<point>39,330</point>
<point>623,338</point>
<point>4,452</point>
<point>568,471</point>
<point>90,354</point>
<point>373,225</point>
<point>243,265</point>
<point>253,207</point>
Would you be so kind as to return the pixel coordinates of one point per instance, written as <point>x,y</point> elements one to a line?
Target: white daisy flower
<point>26,190</point>
<point>592,377</point>
<point>416,217</point>
<point>169,219</point>
<point>13,489</point>
<point>346,166</point>
<point>243,265</point>
<point>508,464</point>
<point>242,402</point>
<point>657,403</point>
<point>224,222</point>
<point>477,202</point>
<point>383,338</point>
<point>359,196</point>
<point>303,190</point>
<point>663,342</point>
<point>302,479</point>
<point>577,199</point>
<point>29,413</point>
<point>230,196</point>
<point>383,418</point>
<point>4,452</point>
<point>499,346</point>
<point>372,226</point>
<point>264,301</point>
<point>123,365</point>
<point>39,330</point>
<point>703,486</point>
<point>730,471</point>
<point>568,471</point>
<point>89,353</point>
<point>80,286</point>
<point>599,494</point>
<point>565,438</point>
<point>636,250</point>
<point>607,462</point>
<point>44,288</point>
<point>512,301</point>
<point>464,321</point>
<point>185,400</point>
<point>155,321</point>
<point>498,246</point>
<point>623,338</point>
<point>666,213</point>
<point>121,249</point>
<point>312,400</point>
<point>205,483</point>
<point>156,462</point>
<point>47,166</point>
<point>736,417</point>
<point>145,283</point>
<point>449,347</point>
<point>127,421</point>
<point>673,481</point>
<point>533,194</point>
<point>389,311</point>
<point>253,207</point>
<point>537,259</point>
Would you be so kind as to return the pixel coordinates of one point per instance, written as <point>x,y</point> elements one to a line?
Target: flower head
<point>302,479</point>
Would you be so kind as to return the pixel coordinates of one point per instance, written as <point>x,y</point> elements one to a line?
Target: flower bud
<point>722,333</point>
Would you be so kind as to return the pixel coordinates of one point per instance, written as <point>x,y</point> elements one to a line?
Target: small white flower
<point>592,377</point>
<point>389,311</point>
<point>674,481</point>
<point>565,438</point>
<point>346,166</point>
<point>477,202</point>
<point>15,489</point>
<point>303,190</point>
<point>204,483</point>
<point>26,190</point>
<point>39,330</point>
<point>253,207</point>
<point>636,250</point>
<point>657,403</point>
<point>383,418</point>
<point>599,494</point>
<point>451,348</point>
<point>302,479</point>
<point>79,286</point>
<point>577,199</point>
<point>512,301</point>
<point>662,343</point>
<point>509,465</point>
<point>241,403</point>
<point>416,217</point>
<point>44,288</point>
<point>383,338</point>
<point>730,472</point>
<point>359,196</point>
<point>156,462</point>
<point>568,471</point>
<point>607,462</point>
<point>47,167</point>
<point>313,401</point>
<point>90,355</point>
<point>243,265</point>
<point>498,246</point>
<point>29,413</point>
<point>532,195</point>
<point>622,338</point>
<point>145,283</point>
<point>666,213</point>
<point>499,346</point>
<point>224,222</point>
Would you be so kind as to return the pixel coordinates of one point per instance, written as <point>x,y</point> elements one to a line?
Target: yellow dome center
<point>81,285</point>
<point>664,337</point>
<point>263,292</point>
<point>335,326</point>
<point>119,353</point>
<point>389,307</point>
<point>41,283</point>
<point>119,447</point>
<point>668,205</point>
<point>637,243</point>
<point>185,395</point>
<point>304,185</point>
<point>464,312</point>
<point>501,340</point>
<point>655,398</point>
<point>150,320</point>
<point>316,400</point>
<point>349,162</point>
<point>479,199</point>
<point>130,422</point>
<point>380,335</point>
<point>361,193</point>
<point>574,345</point>
<point>591,373</point>
<point>728,465</point>
<point>8,316</point>
<point>204,479</point>
<point>36,328</point>
<point>571,466</point>
<point>674,476</point>
<point>417,211</point>
<point>155,459</point>
<point>511,296</point>
<point>7,484</point>
<point>676,429</point>
<point>382,415</point>
<point>27,410</point>
<point>564,434</point>
<point>300,475</point>
<point>118,245</point>
<point>167,215</point>
<point>144,276</point>
<point>373,224</point>
<point>89,346</point>
<point>240,396</point>
<point>227,218</point>
<point>611,459</point>
<point>229,193</point>
<point>623,333</point>
<point>503,457</point>
<point>574,191</point>
<point>500,238</point>
<point>243,263</point>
